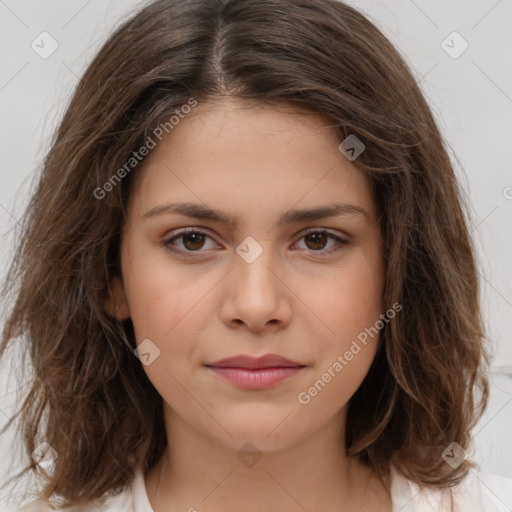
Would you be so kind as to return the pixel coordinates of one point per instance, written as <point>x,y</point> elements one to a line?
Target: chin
<point>266,435</point>
<point>258,441</point>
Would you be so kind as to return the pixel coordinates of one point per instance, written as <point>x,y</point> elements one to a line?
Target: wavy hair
<point>88,396</point>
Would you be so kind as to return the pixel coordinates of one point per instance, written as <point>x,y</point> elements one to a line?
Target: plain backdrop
<point>460,52</point>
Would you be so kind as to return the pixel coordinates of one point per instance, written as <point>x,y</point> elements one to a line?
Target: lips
<point>255,363</point>
<point>255,373</point>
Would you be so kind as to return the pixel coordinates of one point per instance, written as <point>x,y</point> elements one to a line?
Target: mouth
<point>247,372</point>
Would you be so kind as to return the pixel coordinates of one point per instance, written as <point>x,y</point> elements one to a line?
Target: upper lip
<point>252,363</point>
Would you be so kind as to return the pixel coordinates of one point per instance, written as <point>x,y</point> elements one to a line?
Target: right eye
<point>191,240</point>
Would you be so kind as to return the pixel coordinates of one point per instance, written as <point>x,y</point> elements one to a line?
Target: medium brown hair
<point>89,397</point>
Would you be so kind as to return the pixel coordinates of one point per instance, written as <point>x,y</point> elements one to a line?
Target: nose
<point>255,295</point>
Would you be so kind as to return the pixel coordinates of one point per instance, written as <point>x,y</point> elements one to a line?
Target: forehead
<point>241,154</point>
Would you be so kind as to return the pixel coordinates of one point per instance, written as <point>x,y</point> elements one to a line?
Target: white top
<point>478,492</point>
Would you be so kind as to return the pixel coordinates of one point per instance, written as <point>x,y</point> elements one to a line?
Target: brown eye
<point>189,241</point>
<point>193,241</point>
<point>318,240</point>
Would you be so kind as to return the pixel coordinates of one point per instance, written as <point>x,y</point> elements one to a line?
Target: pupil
<point>193,236</point>
<point>316,237</point>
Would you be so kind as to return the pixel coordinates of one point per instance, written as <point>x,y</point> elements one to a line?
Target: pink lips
<point>248,372</point>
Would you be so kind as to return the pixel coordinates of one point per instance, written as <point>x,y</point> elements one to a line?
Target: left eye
<point>193,240</point>
<point>319,237</point>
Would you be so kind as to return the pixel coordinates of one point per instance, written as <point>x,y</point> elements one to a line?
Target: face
<point>200,289</point>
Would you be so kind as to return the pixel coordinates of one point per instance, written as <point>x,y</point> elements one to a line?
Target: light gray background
<point>471,97</point>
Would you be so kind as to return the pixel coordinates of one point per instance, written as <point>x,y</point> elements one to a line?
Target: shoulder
<point>478,492</point>
<point>36,506</point>
<point>496,491</point>
<point>132,498</point>
<point>113,503</point>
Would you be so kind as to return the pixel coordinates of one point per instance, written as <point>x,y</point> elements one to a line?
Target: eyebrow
<point>202,212</point>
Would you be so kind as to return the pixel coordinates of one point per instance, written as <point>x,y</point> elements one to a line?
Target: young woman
<point>246,280</point>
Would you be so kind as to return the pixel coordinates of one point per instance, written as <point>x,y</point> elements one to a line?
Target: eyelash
<point>168,243</point>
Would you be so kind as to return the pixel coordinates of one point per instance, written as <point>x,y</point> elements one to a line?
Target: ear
<point>115,303</point>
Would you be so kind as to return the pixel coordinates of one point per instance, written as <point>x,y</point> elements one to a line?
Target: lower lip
<point>262,378</point>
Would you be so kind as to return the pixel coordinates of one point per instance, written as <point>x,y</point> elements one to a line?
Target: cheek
<point>166,309</point>
<point>161,295</point>
<point>351,307</point>
<point>168,306</point>
<point>350,302</point>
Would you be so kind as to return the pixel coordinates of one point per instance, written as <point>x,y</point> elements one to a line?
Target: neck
<point>198,472</point>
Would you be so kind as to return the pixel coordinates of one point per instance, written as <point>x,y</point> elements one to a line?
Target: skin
<point>295,300</point>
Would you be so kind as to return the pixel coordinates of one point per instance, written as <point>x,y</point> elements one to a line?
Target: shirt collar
<point>406,495</point>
